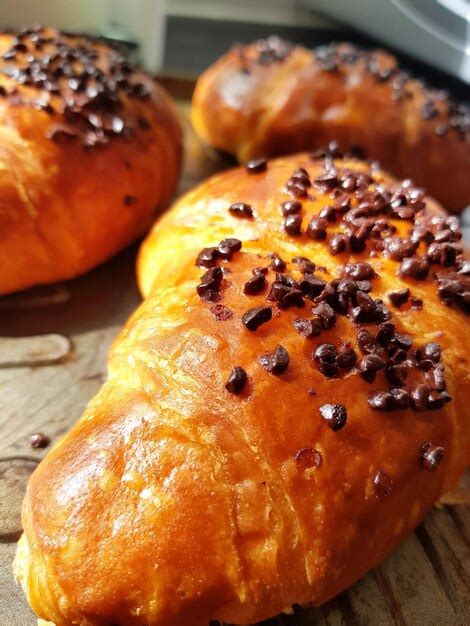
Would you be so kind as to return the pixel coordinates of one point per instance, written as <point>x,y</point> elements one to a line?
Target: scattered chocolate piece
<point>221,312</point>
<point>335,415</point>
<point>326,314</point>
<point>316,228</point>
<point>383,484</point>
<point>240,209</point>
<point>417,268</point>
<point>255,285</point>
<point>454,289</point>
<point>228,247</point>
<point>290,207</point>
<point>431,351</point>
<point>325,356</point>
<point>381,400</point>
<point>308,328</point>
<point>308,457</point>
<point>39,441</point>
<point>399,297</point>
<point>255,166</point>
<point>339,243</point>
<point>293,225</point>
<point>369,365</point>
<point>419,397</point>
<point>359,271</point>
<point>275,362</point>
<point>305,265</point>
<point>207,257</point>
<point>277,263</point>
<point>402,398</point>
<point>237,380</point>
<point>346,358</point>
<point>431,456</point>
<point>209,287</point>
<point>328,213</point>
<point>253,318</point>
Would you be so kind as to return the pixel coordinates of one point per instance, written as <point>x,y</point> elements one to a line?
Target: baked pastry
<point>271,98</point>
<point>90,148</point>
<point>284,407</point>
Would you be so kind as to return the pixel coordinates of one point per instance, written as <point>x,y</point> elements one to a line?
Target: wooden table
<point>45,383</point>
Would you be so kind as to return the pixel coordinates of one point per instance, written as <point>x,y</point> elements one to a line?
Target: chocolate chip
<point>399,297</point>
<point>365,310</point>
<point>369,365</point>
<point>396,374</point>
<point>359,271</point>
<point>255,285</point>
<point>416,268</point>
<point>228,247</point>
<point>335,415</point>
<point>39,440</point>
<point>285,292</point>
<point>256,166</point>
<point>237,380</point>
<point>431,456</point>
<point>431,351</point>
<point>346,358</point>
<point>277,263</point>
<point>326,182</point>
<point>328,213</point>
<point>444,254</point>
<point>402,398</point>
<point>454,289</point>
<point>316,228</point>
<point>400,342</point>
<point>240,209</point>
<point>437,399</point>
<point>308,457</point>
<point>297,188</point>
<point>367,343</point>
<point>253,318</point>
<point>221,312</point>
<point>326,314</point>
<point>209,287</point>
<point>308,328</point>
<point>129,200</point>
<point>305,265</point>
<point>383,484</point>
<point>419,397</point>
<point>207,257</point>
<point>312,286</point>
<point>398,249</point>
<point>291,207</point>
<point>325,356</point>
<point>385,334</point>
<point>339,243</point>
<point>293,225</point>
<point>381,400</point>
<point>275,362</point>
<point>301,174</point>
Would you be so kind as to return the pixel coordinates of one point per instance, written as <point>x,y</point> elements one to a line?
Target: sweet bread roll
<point>90,148</point>
<point>283,408</point>
<point>271,98</point>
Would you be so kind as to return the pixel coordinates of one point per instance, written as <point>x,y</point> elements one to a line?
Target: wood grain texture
<point>425,581</point>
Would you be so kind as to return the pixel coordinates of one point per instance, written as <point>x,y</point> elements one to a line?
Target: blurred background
<point>184,36</point>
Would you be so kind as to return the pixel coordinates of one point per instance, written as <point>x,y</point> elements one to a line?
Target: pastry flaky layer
<point>270,98</point>
<point>272,425</point>
<point>90,149</point>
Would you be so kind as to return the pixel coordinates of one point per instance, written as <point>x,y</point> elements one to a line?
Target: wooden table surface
<point>53,345</point>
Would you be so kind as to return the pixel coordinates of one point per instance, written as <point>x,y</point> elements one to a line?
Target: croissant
<point>271,98</point>
<point>90,148</point>
<point>286,404</point>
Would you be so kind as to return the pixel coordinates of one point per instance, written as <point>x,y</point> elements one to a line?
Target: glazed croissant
<point>271,98</point>
<point>284,407</point>
<point>90,148</point>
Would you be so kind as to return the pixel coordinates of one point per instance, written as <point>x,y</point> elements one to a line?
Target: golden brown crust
<point>268,99</point>
<point>174,501</point>
<point>90,148</point>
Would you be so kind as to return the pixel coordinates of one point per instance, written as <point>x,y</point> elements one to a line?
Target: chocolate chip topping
<point>227,248</point>
<point>431,456</point>
<point>316,228</point>
<point>255,166</point>
<point>237,380</point>
<point>277,263</point>
<point>39,441</point>
<point>255,317</point>
<point>383,484</point>
<point>293,225</point>
<point>335,415</point>
<point>414,267</point>
<point>256,284</point>
<point>291,207</point>
<point>399,297</point>
<point>359,271</point>
<point>241,209</point>
<point>207,257</point>
<point>308,328</point>
<point>308,457</point>
<point>209,287</point>
<point>74,75</point>
<point>275,362</point>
